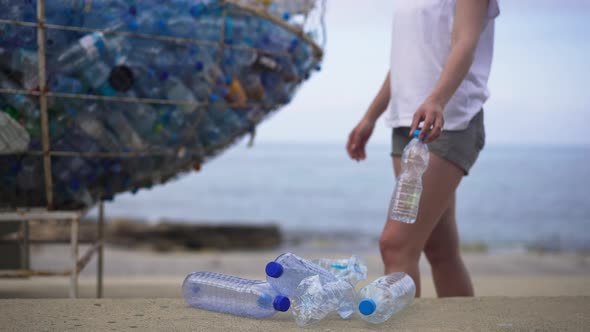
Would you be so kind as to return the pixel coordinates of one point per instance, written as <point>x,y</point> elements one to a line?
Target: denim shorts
<point>461,147</point>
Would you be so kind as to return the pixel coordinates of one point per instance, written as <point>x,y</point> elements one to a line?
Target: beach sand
<point>147,274</point>
<point>474,314</point>
<point>517,291</point>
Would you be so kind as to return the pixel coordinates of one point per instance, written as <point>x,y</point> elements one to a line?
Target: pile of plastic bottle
<point>311,289</point>
<point>139,91</point>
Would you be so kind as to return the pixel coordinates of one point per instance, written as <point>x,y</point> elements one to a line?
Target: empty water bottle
<point>27,62</point>
<point>406,196</point>
<point>313,301</point>
<point>352,269</point>
<point>13,137</point>
<point>88,49</point>
<point>287,271</point>
<point>384,297</point>
<point>232,295</point>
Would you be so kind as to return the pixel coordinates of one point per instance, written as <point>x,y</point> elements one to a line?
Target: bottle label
<point>266,62</point>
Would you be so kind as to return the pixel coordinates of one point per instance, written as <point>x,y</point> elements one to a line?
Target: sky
<point>539,82</point>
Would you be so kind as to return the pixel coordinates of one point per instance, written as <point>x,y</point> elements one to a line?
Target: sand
<point>474,314</point>
<point>145,274</point>
<point>517,291</point>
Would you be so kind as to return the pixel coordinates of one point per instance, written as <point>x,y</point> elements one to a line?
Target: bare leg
<point>442,251</point>
<point>401,244</point>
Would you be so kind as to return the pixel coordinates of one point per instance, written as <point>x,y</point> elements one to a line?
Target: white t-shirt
<point>421,42</point>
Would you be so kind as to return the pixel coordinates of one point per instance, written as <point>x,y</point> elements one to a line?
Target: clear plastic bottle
<point>384,297</point>
<point>88,49</point>
<point>232,295</point>
<point>406,196</point>
<point>313,301</point>
<point>351,269</point>
<point>13,137</point>
<point>287,271</point>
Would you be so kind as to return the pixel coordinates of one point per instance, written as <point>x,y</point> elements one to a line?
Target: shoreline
<point>196,236</point>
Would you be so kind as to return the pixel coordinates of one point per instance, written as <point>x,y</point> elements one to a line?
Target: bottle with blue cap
<point>287,272</point>
<point>243,297</point>
<point>405,200</point>
<point>384,297</point>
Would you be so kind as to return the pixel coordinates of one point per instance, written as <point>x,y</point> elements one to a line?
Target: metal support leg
<point>74,266</point>
<point>25,263</point>
<point>100,260</point>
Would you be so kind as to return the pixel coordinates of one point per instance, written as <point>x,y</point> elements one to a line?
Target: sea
<point>514,197</point>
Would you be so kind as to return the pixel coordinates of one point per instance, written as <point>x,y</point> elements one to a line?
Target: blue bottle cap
<point>228,80</point>
<point>416,133</point>
<point>281,303</point>
<point>286,16</point>
<point>74,184</point>
<point>213,98</point>
<point>163,75</point>
<point>133,26</point>
<point>274,269</point>
<point>199,65</point>
<point>367,307</point>
<point>197,10</point>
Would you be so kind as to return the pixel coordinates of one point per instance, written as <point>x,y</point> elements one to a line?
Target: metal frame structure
<point>77,263</point>
<point>46,213</point>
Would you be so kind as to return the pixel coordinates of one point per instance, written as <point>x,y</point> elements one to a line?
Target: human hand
<point>431,114</point>
<point>358,138</point>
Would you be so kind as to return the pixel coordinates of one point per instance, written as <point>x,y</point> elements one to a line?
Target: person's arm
<point>380,102</point>
<point>470,20</point>
<point>357,140</point>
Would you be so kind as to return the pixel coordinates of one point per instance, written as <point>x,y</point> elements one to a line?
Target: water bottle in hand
<point>232,295</point>
<point>382,298</point>
<point>406,196</point>
<point>313,301</point>
<point>352,269</point>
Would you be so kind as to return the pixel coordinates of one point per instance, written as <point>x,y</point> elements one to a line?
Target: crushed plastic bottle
<point>287,272</point>
<point>313,301</point>
<point>353,269</point>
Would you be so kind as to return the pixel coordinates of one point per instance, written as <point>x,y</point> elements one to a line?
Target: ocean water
<point>515,195</point>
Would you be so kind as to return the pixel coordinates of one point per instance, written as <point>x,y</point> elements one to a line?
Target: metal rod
<point>175,40</point>
<point>264,14</point>
<point>100,261</point>
<point>42,241</point>
<point>126,99</point>
<point>83,261</point>
<point>23,273</point>
<point>38,214</point>
<point>43,103</point>
<point>74,259</point>
<point>26,245</point>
